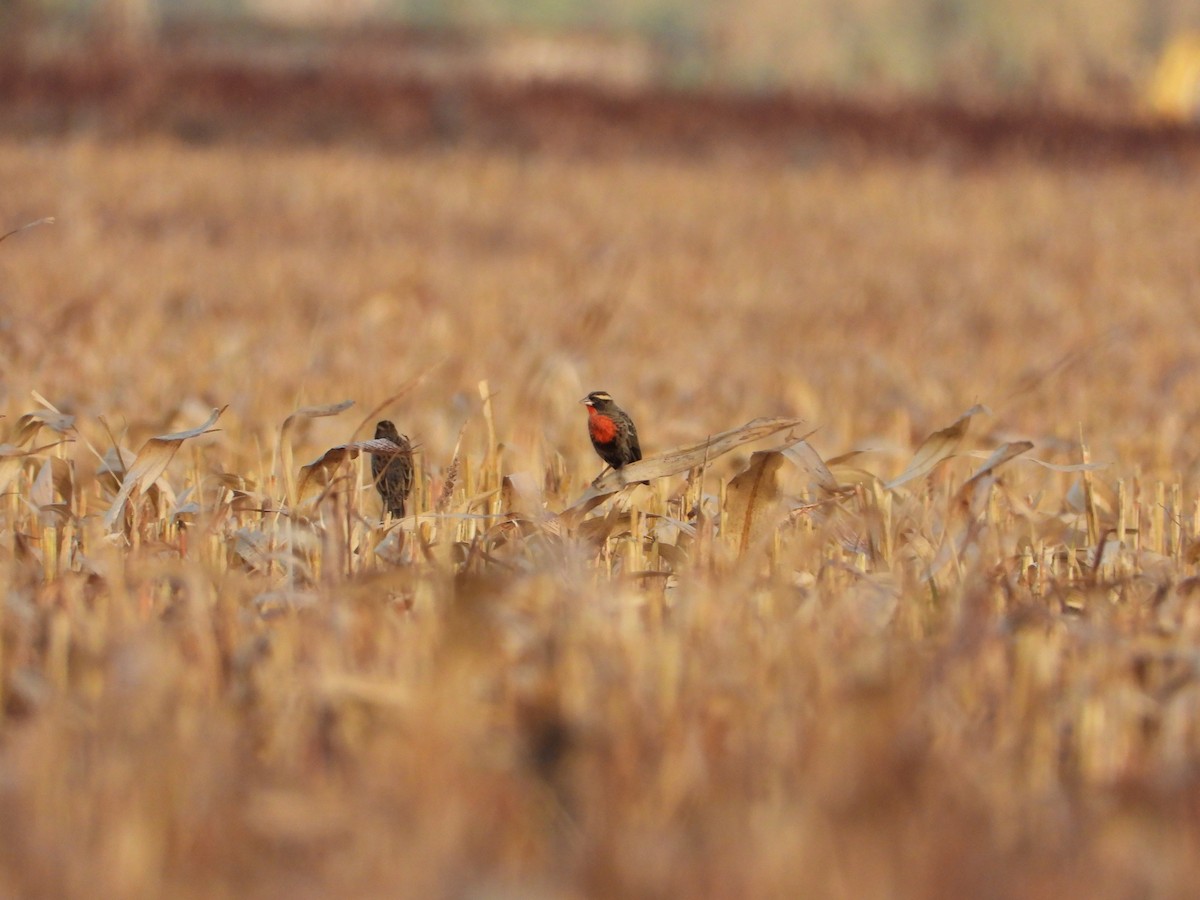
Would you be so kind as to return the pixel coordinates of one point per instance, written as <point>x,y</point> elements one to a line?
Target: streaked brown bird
<point>392,470</point>
<point>612,431</point>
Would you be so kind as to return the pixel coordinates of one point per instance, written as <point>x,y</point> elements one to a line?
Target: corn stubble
<point>933,655</point>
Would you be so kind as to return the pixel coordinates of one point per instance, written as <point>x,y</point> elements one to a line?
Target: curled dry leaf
<point>116,462</point>
<point>937,448</point>
<point>975,490</point>
<point>522,496</point>
<point>285,445</point>
<point>802,455</point>
<point>317,471</point>
<point>31,423</point>
<point>973,499</point>
<point>11,458</point>
<point>752,499</point>
<point>314,412</point>
<point>149,464</point>
<point>54,482</point>
<point>999,457</point>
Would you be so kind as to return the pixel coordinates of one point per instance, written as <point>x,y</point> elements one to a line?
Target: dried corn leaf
<point>31,423</point>
<point>937,448</point>
<point>675,461</point>
<point>1069,467</point>
<point>285,446</point>
<point>999,457</point>
<point>323,465</point>
<point>314,412</point>
<point>844,458</point>
<point>975,490</point>
<point>522,495</point>
<point>752,499</point>
<point>11,459</point>
<point>319,470</point>
<point>184,505</point>
<point>594,532</point>
<point>54,482</point>
<point>802,455</point>
<point>962,532</point>
<point>151,461</point>
<point>116,462</point>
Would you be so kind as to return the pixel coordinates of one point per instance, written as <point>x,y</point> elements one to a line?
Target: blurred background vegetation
<point>1064,50</point>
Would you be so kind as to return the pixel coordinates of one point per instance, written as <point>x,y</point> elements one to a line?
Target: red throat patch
<point>601,427</point>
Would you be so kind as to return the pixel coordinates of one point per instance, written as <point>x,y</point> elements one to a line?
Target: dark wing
<point>635,449</point>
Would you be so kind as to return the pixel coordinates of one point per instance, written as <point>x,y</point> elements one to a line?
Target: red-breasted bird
<point>611,430</point>
<point>392,470</point>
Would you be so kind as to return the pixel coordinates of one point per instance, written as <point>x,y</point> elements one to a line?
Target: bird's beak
<point>586,401</point>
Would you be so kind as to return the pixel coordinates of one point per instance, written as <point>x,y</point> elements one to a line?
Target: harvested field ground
<point>238,683</point>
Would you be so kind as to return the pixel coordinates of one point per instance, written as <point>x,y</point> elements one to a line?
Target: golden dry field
<point>221,676</point>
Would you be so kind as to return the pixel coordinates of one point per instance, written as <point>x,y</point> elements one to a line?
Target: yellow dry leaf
<point>318,470</point>
<point>10,464</point>
<point>802,455</point>
<point>31,423</point>
<point>149,464</point>
<point>522,495</point>
<point>978,487</point>
<point>285,446</point>
<point>11,458</point>
<point>937,448</point>
<point>752,499</point>
<point>54,481</point>
<point>999,457</point>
